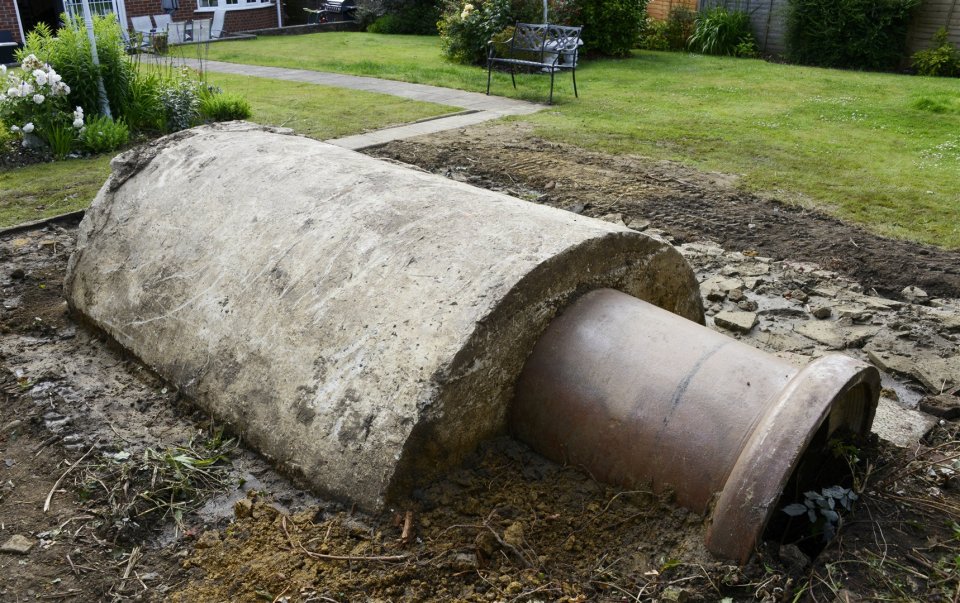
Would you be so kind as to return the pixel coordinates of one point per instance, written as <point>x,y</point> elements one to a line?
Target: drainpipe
<point>279,15</point>
<point>88,21</point>
<point>545,12</point>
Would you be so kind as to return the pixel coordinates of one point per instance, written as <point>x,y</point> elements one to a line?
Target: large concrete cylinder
<point>360,322</point>
<point>638,396</point>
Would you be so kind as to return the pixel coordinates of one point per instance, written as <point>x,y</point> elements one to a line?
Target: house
<point>20,16</point>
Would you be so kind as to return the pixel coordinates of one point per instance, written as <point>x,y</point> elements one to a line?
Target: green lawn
<point>880,149</point>
<point>48,189</point>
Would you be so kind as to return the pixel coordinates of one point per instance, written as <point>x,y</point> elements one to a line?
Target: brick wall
<point>8,19</point>
<point>235,20</point>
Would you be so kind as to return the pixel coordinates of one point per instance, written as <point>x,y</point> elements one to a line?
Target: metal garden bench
<point>549,48</point>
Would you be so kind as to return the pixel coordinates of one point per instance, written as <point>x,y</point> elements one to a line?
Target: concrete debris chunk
<point>740,322</point>
<point>944,406</point>
<point>900,426</point>
<point>914,295</point>
<point>938,374</point>
<point>17,544</point>
<point>835,336</point>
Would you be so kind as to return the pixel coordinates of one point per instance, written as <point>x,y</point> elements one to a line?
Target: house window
<point>74,8</point>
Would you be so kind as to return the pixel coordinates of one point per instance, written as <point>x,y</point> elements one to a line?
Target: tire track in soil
<point>688,204</point>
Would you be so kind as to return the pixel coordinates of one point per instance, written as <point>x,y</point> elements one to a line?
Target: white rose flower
<point>65,88</point>
<point>28,127</point>
<point>78,123</point>
<point>53,77</point>
<point>39,98</point>
<point>14,128</point>
<point>40,76</point>
<point>26,89</point>
<point>13,92</point>
<point>3,69</point>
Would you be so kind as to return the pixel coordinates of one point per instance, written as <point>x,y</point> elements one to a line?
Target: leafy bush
<point>860,34</point>
<point>464,33</point>
<point>654,36</point>
<point>722,32</point>
<point>102,134</point>
<point>69,53</point>
<point>418,17</point>
<point>942,59</point>
<point>180,97</point>
<point>219,106</point>
<point>681,24</point>
<point>33,101</point>
<point>610,27</point>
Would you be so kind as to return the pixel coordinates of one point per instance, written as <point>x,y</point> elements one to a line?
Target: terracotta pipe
<point>638,395</point>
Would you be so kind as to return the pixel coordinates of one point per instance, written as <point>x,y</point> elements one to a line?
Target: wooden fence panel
<point>660,9</point>
<point>930,17</point>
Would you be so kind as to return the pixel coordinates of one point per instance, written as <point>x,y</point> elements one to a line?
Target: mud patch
<point>688,204</point>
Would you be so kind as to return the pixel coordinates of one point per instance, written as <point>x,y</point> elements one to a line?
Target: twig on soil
<point>407,528</point>
<point>46,504</point>
<point>44,444</point>
<point>114,429</point>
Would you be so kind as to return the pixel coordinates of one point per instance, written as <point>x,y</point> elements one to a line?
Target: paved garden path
<point>477,107</point>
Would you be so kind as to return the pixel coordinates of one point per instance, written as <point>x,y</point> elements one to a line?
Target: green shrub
<point>723,32</point>
<point>69,53</point>
<point>180,97</point>
<point>941,59</point>
<point>102,134</point>
<point>466,29</point>
<point>654,36</point>
<point>681,24</point>
<point>859,34</point>
<point>416,17</point>
<point>610,27</point>
<point>224,106</point>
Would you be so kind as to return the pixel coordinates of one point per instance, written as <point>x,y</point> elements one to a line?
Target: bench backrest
<point>541,38</point>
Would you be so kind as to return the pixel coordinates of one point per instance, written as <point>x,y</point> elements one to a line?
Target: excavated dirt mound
<point>689,205</point>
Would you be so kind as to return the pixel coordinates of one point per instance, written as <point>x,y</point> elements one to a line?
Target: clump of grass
<point>135,492</point>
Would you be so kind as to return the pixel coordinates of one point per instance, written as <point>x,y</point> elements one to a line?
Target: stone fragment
<point>638,224</point>
<point>720,283</point>
<point>747,305</point>
<point>826,290</point>
<point>900,426</point>
<point>735,295</point>
<point>878,303</point>
<point>944,406</point>
<point>891,363</point>
<point>741,322</point>
<point>614,219</point>
<point>17,273</point>
<point>914,295</point>
<point>797,295</point>
<point>835,336</point>
<point>675,595</point>
<point>17,544</point>
<point>822,312</point>
<point>715,295</point>
<point>754,269</point>
<point>793,557</point>
<point>938,374</point>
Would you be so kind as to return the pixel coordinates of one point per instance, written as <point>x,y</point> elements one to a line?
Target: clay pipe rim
<point>776,446</point>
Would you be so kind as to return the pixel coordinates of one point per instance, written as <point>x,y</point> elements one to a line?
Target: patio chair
<point>162,21</point>
<point>216,30</point>
<point>142,25</point>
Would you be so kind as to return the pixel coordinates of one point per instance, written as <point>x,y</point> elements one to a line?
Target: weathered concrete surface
<point>360,322</point>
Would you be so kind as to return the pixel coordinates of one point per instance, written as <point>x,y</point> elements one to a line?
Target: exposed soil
<point>508,525</point>
<point>689,205</point>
